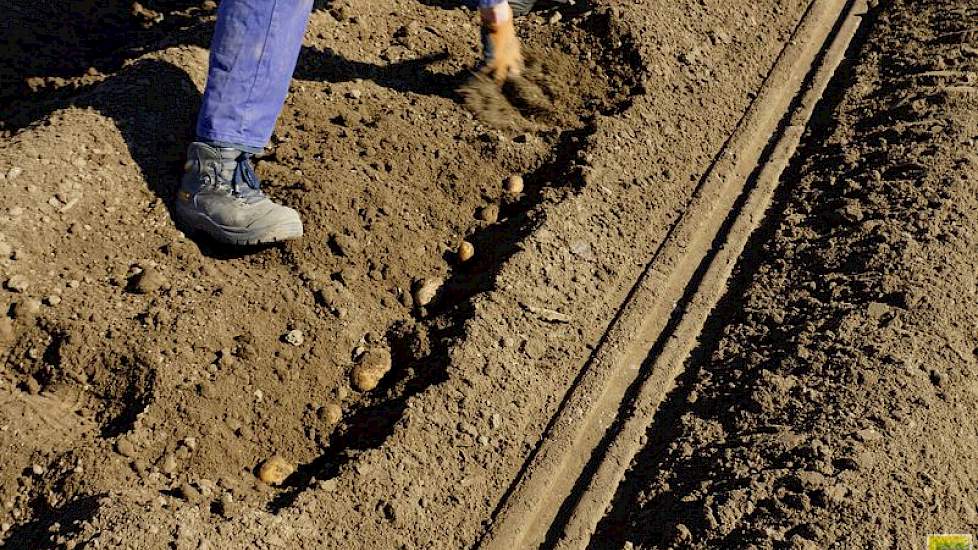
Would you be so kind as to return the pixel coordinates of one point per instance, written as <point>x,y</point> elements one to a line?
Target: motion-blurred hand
<point>501,49</point>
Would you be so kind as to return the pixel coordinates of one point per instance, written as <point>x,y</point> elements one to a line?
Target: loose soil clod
<point>18,283</point>
<point>427,291</point>
<point>488,214</point>
<point>26,309</point>
<point>148,281</point>
<point>331,414</point>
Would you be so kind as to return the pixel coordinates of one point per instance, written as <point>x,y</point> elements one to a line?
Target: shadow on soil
<point>410,76</point>
<point>154,105</point>
<point>38,533</point>
<point>155,126</point>
<point>96,37</point>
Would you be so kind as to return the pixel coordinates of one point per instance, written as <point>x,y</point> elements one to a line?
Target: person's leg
<point>253,54</point>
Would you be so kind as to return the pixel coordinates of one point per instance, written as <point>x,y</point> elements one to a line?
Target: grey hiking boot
<point>221,196</point>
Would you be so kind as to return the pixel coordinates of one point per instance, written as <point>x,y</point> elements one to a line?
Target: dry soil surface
<point>148,377</point>
<point>831,403</point>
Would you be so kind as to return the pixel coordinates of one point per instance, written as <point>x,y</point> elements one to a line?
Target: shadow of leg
<point>47,44</point>
<point>154,104</point>
<point>412,75</point>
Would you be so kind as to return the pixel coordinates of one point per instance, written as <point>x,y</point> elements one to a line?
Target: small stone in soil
<point>371,368</point>
<point>331,414</point>
<point>125,448</point>
<point>18,283</point>
<point>344,245</point>
<point>513,184</point>
<point>169,464</point>
<point>495,421</point>
<point>868,435</point>
<point>25,309</point>
<point>328,485</point>
<point>226,507</point>
<point>488,214</point>
<point>189,493</point>
<point>6,331</point>
<point>295,337</point>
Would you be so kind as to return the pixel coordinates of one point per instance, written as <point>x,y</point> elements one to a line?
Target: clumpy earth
<point>365,387</point>
<point>832,403</point>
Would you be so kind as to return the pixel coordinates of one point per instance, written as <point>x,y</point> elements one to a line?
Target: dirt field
<point>831,401</point>
<point>827,400</point>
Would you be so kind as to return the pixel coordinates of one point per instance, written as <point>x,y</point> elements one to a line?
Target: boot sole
<point>193,220</point>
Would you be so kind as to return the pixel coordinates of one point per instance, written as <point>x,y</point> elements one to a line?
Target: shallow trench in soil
<point>147,374</point>
<point>831,400</point>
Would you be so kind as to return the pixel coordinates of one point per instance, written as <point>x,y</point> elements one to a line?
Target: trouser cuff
<point>227,145</point>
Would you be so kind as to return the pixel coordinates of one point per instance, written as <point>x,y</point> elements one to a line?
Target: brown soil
<point>150,378</point>
<point>832,404</point>
<point>187,386</point>
<point>173,354</point>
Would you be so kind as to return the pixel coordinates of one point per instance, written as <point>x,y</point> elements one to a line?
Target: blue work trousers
<point>253,55</point>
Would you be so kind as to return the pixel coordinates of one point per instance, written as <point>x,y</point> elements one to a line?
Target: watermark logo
<point>950,542</point>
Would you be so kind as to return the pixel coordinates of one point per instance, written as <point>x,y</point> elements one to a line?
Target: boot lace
<point>245,182</point>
